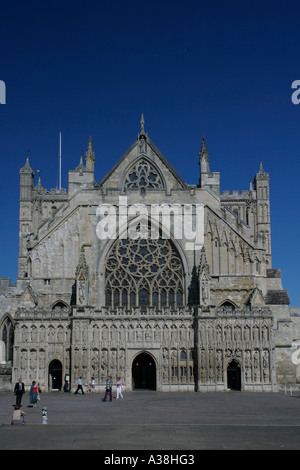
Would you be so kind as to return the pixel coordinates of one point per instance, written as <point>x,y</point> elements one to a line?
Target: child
<point>44,415</point>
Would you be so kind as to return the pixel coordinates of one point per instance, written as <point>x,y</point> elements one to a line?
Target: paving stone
<point>155,421</point>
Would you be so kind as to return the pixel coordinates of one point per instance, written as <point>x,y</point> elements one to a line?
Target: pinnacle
<point>142,123</point>
<point>90,145</point>
<point>90,152</point>
<point>27,168</point>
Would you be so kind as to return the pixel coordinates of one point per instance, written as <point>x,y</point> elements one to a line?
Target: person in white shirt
<point>93,383</point>
<point>79,387</point>
<point>119,388</point>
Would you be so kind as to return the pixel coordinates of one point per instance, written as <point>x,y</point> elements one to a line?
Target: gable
<point>160,175</point>
<point>28,298</point>
<point>256,298</point>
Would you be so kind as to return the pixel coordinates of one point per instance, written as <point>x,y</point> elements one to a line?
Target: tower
<point>263,224</point>
<point>25,216</point>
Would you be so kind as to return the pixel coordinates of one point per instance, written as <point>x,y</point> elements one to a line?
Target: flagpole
<point>59,161</point>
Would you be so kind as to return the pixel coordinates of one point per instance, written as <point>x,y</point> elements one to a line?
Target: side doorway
<point>234,375</point>
<point>55,375</point>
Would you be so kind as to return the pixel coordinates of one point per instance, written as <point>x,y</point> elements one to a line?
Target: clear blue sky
<point>219,69</point>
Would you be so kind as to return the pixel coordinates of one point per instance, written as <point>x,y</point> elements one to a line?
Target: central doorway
<point>234,375</point>
<point>144,372</point>
<point>55,375</point>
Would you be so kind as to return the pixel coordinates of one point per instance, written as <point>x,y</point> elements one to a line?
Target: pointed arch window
<point>143,175</point>
<point>7,336</point>
<point>59,304</point>
<point>144,273</point>
<point>228,305</point>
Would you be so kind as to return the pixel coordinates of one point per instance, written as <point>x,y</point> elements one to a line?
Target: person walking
<point>93,384</point>
<point>108,389</point>
<point>30,394</point>
<point>79,387</point>
<point>33,394</point>
<point>119,388</point>
<point>19,390</point>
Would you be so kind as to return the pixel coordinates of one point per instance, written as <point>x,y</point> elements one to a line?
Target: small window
<point>46,282</point>
<point>227,304</point>
<point>59,304</point>
<point>182,355</point>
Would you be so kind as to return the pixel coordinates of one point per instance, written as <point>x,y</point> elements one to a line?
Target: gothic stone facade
<point>149,309</point>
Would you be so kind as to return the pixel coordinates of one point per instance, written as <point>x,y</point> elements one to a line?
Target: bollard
<point>44,415</point>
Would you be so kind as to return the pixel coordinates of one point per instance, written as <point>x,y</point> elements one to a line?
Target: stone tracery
<point>144,272</point>
<point>143,175</point>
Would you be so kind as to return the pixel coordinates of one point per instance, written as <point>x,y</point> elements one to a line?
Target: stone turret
<point>261,185</point>
<point>207,180</point>
<point>83,175</point>
<point>26,181</point>
<point>25,217</point>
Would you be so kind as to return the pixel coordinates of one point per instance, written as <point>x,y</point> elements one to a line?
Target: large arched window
<point>144,273</point>
<point>7,336</point>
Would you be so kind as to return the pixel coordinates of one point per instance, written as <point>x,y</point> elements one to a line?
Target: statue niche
<point>204,279</point>
<point>82,281</point>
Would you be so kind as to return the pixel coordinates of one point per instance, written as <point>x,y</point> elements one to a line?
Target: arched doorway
<point>144,372</point>
<point>234,375</point>
<point>55,375</point>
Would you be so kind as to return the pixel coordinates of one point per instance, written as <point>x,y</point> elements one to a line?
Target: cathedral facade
<point>168,285</point>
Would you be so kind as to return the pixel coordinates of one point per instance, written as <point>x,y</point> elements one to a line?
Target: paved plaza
<point>146,420</point>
